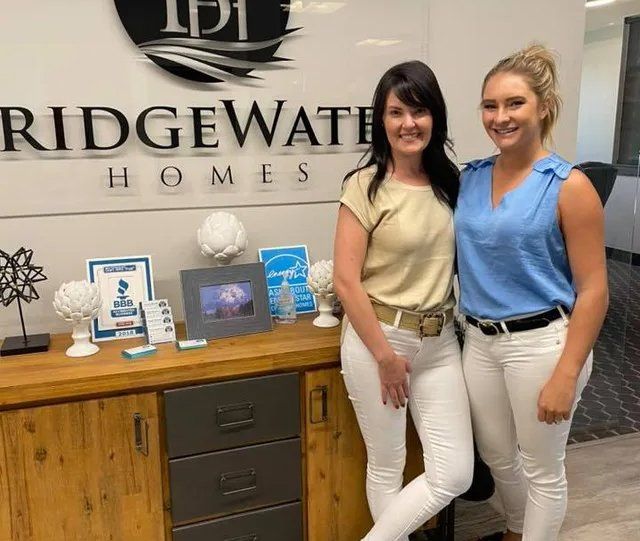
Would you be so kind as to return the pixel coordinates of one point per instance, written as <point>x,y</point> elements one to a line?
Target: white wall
<point>467,37</point>
<point>463,40</point>
<point>599,94</point>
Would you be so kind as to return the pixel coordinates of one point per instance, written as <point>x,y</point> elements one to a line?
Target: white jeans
<point>505,374</point>
<point>440,409</point>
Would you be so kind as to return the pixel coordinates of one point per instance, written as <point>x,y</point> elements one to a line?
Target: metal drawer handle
<point>323,390</point>
<point>225,478</point>
<point>141,433</point>
<point>250,537</point>
<point>222,410</point>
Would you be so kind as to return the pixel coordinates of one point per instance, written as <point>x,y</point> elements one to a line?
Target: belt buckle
<point>488,327</point>
<point>439,324</point>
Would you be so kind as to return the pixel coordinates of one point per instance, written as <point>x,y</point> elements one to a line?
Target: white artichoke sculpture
<point>223,237</point>
<point>320,281</point>
<point>320,277</point>
<point>78,302</point>
<point>75,301</point>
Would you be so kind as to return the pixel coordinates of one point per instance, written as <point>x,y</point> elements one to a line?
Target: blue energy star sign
<point>292,263</point>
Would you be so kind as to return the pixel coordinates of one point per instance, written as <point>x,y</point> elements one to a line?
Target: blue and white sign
<point>124,282</point>
<point>292,263</point>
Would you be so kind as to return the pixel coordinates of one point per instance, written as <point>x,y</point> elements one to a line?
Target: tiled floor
<point>611,402</point>
<point>604,495</point>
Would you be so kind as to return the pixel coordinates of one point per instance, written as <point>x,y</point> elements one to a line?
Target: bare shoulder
<point>577,180</point>
<point>577,192</point>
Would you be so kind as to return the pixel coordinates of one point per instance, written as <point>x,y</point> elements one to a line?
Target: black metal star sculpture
<point>17,276</point>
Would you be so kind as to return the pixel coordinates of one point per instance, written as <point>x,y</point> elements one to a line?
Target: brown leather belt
<point>426,324</point>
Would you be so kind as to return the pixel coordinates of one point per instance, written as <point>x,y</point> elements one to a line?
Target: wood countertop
<point>41,378</point>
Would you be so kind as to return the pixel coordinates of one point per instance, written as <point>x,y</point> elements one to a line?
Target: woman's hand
<point>556,399</point>
<point>393,371</point>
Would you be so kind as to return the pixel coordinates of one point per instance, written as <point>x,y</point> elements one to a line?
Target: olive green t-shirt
<point>411,248</point>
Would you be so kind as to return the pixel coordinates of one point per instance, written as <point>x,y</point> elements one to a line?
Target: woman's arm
<point>582,224</point>
<point>350,248</point>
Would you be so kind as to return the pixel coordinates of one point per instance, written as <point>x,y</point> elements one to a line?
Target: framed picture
<point>124,282</point>
<point>292,263</point>
<point>225,301</point>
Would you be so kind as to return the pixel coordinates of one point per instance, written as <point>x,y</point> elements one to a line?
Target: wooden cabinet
<point>96,469</point>
<point>336,501</point>
<point>82,471</point>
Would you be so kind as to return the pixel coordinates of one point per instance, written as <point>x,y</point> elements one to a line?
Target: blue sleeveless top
<point>512,259</point>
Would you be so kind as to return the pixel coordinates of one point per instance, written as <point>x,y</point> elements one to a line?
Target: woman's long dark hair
<point>416,86</point>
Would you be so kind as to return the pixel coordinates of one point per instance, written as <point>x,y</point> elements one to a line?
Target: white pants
<point>440,409</point>
<point>505,374</point>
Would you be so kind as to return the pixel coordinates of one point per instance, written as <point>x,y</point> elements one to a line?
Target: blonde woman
<point>530,244</point>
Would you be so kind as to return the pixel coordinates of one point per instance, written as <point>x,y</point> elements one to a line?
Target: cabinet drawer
<point>236,480</point>
<point>231,414</point>
<point>282,523</point>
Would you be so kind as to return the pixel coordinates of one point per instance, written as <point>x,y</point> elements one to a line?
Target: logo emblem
<point>208,40</point>
<point>122,288</point>
<point>122,302</point>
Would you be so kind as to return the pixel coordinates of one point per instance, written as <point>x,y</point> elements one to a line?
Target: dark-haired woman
<point>394,259</point>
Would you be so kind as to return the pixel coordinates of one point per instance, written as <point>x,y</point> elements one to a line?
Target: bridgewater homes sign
<point>186,104</point>
<point>208,41</point>
<point>199,132</point>
<point>18,123</point>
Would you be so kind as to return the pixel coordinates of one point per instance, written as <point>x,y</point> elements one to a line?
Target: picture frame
<point>124,282</point>
<point>225,301</point>
<point>292,263</point>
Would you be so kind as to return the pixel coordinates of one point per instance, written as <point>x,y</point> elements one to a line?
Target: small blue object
<point>140,351</point>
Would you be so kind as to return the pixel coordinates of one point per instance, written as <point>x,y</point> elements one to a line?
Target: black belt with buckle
<point>537,321</point>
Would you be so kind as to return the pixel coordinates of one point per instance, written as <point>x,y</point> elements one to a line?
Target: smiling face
<point>511,112</point>
<point>408,128</point>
